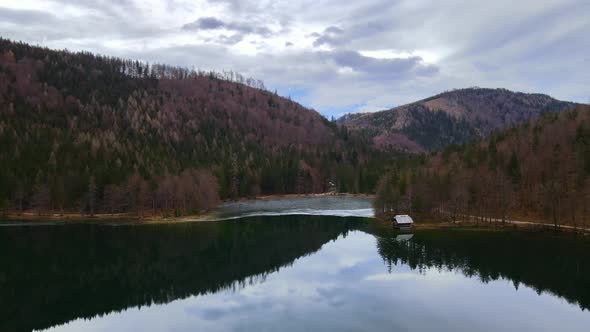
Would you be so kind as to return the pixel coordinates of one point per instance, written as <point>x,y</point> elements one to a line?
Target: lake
<point>293,272</point>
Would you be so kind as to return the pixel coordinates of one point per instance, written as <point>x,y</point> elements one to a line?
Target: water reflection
<point>51,275</point>
<point>559,264</point>
<point>269,273</point>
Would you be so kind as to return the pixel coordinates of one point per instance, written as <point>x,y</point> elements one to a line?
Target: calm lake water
<point>290,273</point>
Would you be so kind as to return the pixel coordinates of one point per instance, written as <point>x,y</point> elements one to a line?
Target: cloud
<point>338,56</point>
<point>212,23</point>
<point>387,68</point>
<point>334,30</point>
<point>332,36</point>
<point>16,16</point>
<point>230,40</point>
<point>205,23</point>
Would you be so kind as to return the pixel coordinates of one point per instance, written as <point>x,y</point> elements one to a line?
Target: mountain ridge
<point>537,171</point>
<point>451,117</point>
<point>91,133</point>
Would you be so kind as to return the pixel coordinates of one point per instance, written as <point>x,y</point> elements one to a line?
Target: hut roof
<point>403,219</point>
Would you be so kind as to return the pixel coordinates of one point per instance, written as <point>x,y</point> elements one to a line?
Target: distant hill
<point>538,171</point>
<point>452,117</point>
<point>82,132</point>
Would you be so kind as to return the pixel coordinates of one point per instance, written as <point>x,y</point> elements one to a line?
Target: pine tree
<point>513,169</point>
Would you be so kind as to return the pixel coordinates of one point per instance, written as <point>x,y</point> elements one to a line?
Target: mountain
<point>83,132</point>
<point>452,117</point>
<point>538,171</point>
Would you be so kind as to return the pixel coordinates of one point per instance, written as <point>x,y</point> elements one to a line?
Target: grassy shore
<point>423,223</point>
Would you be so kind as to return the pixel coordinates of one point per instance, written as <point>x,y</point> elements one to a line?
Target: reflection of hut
<point>402,221</point>
<point>404,237</point>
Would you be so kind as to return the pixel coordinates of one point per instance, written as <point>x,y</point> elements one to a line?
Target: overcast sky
<point>335,56</point>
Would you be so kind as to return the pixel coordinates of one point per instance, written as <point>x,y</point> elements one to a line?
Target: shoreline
<point>280,196</point>
<point>124,219</point>
<point>33,218</point>
<point>493,226</point>
<point>148,218</point>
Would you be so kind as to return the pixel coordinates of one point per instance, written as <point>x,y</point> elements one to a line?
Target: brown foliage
<point>539,171</point>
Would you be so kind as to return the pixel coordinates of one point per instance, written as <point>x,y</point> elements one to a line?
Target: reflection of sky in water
<point>341,206</point>
<point>345,286</point>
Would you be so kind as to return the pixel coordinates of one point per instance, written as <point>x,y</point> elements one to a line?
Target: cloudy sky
<point>335,56</point>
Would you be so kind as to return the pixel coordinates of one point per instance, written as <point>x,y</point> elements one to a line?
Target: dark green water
<point>290,273</point>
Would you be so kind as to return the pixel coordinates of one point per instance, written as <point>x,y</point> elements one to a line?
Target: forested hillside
<point>88,133</point>
<point>538,171</point>
<point>453,117</point>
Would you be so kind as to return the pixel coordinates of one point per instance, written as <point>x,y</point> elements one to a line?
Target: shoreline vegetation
<point>538,172</point>
<point>95,134</point>
<point>423,222</point>
<point>493,226</point>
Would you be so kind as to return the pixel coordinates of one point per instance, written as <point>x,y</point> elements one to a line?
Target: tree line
<point>538,171</point>
<point>93,134</point>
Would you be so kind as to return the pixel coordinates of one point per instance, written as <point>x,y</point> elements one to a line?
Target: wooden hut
<point>402,221</point>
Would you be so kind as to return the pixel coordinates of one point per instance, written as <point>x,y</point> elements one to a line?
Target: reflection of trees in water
<point>547,263</point>
<point>51,275</point>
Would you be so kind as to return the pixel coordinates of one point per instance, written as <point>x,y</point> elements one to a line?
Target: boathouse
<point>402,220</point>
